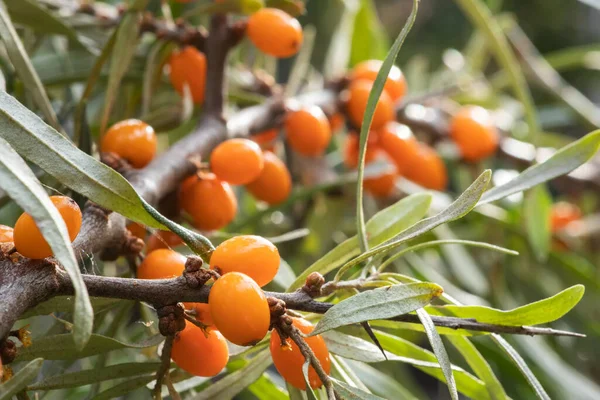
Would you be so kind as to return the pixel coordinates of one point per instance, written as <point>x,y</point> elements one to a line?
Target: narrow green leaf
<point>351,393</point>
<point>562,162</point>
<point>20,380</point>
<point>264,388</point>
<point>60,347</point>
<point>384,225</point>
<point>89,376</point>
<point>22,186</point>
<point>381,383</point>
<point>310,393</point>
<point>365,128</point>
<point>369,39</point>
<point>439,350</point>
<point>66,304</point>
<point>536,209</point>
<point>20,60</point>
<point>234,383</point>
<point>539,312</point>
<point>380,303</point>
<point>459,208</point>
<point>123,388</point>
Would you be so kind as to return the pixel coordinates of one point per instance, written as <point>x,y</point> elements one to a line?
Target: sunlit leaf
<point>369,40</point>
<point>123,388</point>
<point>20,380</point>
<point>351,393</point>
<point>536,210</point>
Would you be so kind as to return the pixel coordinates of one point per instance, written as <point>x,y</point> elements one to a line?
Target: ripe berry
<point>209,201</point>
<point>161,264</point>
<point>237,161</point>
<point>163,240</point>
<point>428,169</point>
<point>399,143</point>
<point>137,230</point>
<point>30,242</point>
<point>200,353</point>
<point>252,255</point>
<point>265,139</point>
<point>395,84</point>
<point>6,234</point>
<point>289,360</point>
<point>239,309</point>
<point>131,139</point>
<point>188,67</point>
<point>358,94</point>
<point>474,132</point>
<point>382,185</point>
<point>307,131</point>
<point>274,184</point>
<point>563,213</point>
<point>351,148</point>
<point>336,121</point>
<point>202,313</point>
<point>275,32</point>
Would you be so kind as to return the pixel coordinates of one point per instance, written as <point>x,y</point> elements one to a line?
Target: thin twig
<point>165,364</point>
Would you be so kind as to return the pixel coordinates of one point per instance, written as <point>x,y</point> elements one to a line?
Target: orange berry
<point>358,94</point>
<point>562,214</point>
<point>274,184</point>
<point>381,186</point>
<point>289,360</point>
<point>162,264</point>
<point>202,313</point>
<point>132,140</point>
<point>188,67</point>
<point>239,309</point>
<point>307,131</point>
<point>336,121</point>
<point>275,32</point>
<point>428,169</point>
<point>200,353</point>
<point>6,234</point>
<point>210,202</point>
<point>163,240</point>
<point>395,84</point>
<point>137,230</point>
<point>398,142</point>
<point>30,242</point>
<point>474,132</point>
<point>265,139</point>
<point>237,161</point>
<point>252,255</point>
<point>351,148</point>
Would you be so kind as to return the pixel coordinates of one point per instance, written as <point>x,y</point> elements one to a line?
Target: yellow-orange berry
<point>239,309</point>
<point>6,234</point>
<point>275,32</point>
<point>188,68</point>
<point>395,84</point>
<point>562,214</point>
<point>202,313</point>
<point>382,185</point>
<point>30,242</point>
<point>351,148</point>
<point>289,360</point>
<point>265,139</point>
<point>307,131</point>
<point>132,140</point>
<point>398,142</point>
<point>336,121</point>
<point>252,255</point>
<point>137,230</point>
<point>200,353</point>
<point>474,132</point>
<point>274,183</point>
<point>237,161</point>
<point>163,240</point>
<point>209,201</point>
<point>428,169</point>
<point>161,264</point>
<point>358,95</point>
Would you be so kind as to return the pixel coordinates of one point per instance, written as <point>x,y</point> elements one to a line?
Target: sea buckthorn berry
<point>289,360</point>
<point>6,234</point>
<point>161,264</point>
<point>209,201</point>
<point>358,94</point>
<point>307,131</point>
<point>202,313</point>
<point>237,161</point>
<point>474,132</point>
<point>395,84</point>
<point>188,67</point>
<point>252,255</point>
<point>28,239</point>
<point>200,353</point>
<point>336,121</point>
<point>265,139</point>
<point>562,214</point>
<point>399,143</point>
<point>137,230</point>
<point>274,184</point>
<point>351,148</point>
<point>239,309</point>
<point>428,169</point>
<point>275,32</point>
<point>132,140</point>
<point>382,185</point>
<point>163,240</point>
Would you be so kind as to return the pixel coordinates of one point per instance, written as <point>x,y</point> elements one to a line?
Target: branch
<point>163,370</point>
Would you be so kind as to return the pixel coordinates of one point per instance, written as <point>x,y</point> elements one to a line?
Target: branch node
<point>196,276</point>
<point>314,283</point>
<point>8,351</point>
<point>116,162</point>
<point>171,319</point>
